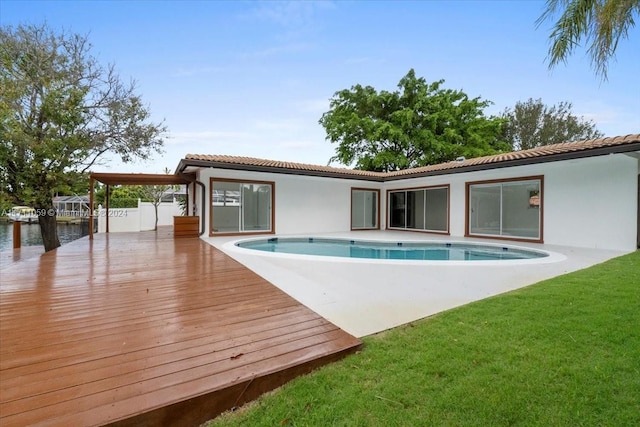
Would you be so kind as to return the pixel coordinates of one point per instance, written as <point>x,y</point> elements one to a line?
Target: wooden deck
<point>141,329</point>
<point>11,256</point>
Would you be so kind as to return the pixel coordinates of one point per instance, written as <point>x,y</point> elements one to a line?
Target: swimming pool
<point>431,251</point>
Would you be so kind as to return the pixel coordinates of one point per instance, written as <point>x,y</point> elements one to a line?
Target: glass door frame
<point>241,183</point>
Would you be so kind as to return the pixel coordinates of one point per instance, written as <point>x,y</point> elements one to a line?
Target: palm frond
<point>599,25</point>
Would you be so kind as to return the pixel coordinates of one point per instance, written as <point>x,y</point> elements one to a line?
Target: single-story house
<point>579,194</point>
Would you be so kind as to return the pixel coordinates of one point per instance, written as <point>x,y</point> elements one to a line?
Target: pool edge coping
<point>231,247</point>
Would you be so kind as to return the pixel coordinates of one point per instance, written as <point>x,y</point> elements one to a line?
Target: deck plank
<point>144,329</point>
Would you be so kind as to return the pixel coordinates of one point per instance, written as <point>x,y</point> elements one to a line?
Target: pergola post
<point>194,195</point>
<point>186,197</point>
<point>90,208</point>
<point>106,206</point>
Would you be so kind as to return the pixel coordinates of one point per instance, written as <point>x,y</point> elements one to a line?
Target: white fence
<point>141,218</point>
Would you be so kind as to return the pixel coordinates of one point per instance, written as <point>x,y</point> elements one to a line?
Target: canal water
<point>31,234</point>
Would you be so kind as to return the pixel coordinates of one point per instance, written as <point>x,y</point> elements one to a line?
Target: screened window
<point>508,209</point>
<point>241,207</point>
<point>425,209</point>
<point>364,209</point>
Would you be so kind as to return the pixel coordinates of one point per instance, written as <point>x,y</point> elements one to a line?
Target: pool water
<point>431,251</point>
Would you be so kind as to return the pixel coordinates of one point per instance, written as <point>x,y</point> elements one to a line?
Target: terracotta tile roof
<point>532,154</point>
<point>277,164</point>
<point>548,152</point>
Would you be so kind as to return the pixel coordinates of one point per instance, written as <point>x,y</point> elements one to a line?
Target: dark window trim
<point>428,187</point>
<point>468,186</point>
<point>373,190</point>
<point>242,181</point>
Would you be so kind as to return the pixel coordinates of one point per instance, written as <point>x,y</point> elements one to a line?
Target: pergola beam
<point>138,179</point>
<point>110,179</point>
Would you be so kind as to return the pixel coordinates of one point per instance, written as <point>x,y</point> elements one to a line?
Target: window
<point>365,205</point>
<point>241,207</point>
<point>508,209</point>
<point>425,209</point>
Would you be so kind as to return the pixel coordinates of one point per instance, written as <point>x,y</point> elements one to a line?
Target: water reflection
<point>30,234</point>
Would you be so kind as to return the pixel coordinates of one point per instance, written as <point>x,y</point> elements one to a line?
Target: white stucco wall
<point>120,220</point>
<point>141,218</point>
<point>303,204</point>
<point>589,203</point>
<point>166,212</point>
<point>593,203</point>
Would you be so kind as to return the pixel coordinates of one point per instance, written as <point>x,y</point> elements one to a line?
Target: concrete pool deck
<point>364,297</point>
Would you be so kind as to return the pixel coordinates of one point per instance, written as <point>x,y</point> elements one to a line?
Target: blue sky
<point>253,78</point>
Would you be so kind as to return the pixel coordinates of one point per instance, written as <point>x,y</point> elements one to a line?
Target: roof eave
<point>184,163</point>
<point>394,176</point>
<point>581,154</point>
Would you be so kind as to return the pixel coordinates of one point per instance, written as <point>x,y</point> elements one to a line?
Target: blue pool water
<point>431,251</point>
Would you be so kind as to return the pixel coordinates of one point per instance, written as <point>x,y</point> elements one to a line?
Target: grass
<point>563,352</point>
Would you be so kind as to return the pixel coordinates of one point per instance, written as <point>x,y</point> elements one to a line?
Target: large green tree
<point>61,112</point>
<point>419,124</point>
<point>600,24</point>
<point>532,124</point>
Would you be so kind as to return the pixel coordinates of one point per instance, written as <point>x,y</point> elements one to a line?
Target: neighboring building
<point>174,193</point>
<point>71,206</point>
<point>581,194</point>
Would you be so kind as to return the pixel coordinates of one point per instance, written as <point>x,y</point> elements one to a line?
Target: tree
<point>601,23</point>
<point>120,196</point>
<point>154,193</point>
<point>532,124</point>
<point>418,125</point>
<point>60,113</point>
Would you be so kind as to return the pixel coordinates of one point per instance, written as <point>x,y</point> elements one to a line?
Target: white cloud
<point>279,125</point>
<point>205,136</point>
<point>611,120</point>
<point>289,13</point>
<point>288,22</point>
<point>599,116</point>
<point>296,47</point>
<point>296,144</point>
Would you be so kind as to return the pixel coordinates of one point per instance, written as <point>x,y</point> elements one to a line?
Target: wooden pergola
<point>110,179</point>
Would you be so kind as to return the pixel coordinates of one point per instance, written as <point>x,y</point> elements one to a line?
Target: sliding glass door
<point>424,209</point>
<point>365,205</point>
<point>241,207</point>
<point>397,209</point>
<point>508,208</point>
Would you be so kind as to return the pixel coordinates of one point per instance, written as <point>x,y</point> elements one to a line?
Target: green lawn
<point>564,352</point>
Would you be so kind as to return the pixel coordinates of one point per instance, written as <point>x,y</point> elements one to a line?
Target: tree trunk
<point>156,209</point>
<point>48,228</point>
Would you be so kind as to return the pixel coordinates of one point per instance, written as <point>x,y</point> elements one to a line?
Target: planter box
<point>186,226</point>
